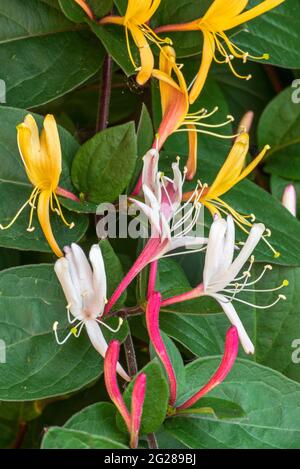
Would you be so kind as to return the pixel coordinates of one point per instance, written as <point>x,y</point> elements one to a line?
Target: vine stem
<point>105,94</point>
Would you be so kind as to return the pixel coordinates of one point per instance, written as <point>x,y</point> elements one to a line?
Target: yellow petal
<point>252,13</point>
<point>227,9</point>
<point>207,57</point>
<point>43,216</point>
<point>253,164</point>
<point>192,159</point>
<point>141,10</point>
<point>231,169</point>
<point>147,60</point>
<point>52,141</point>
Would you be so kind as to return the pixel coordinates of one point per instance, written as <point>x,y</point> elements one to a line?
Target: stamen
<point>110,328</point>
<point>73,331</point>
<point>280,297</point>
<point>69,225</point>
<point>32,195</point>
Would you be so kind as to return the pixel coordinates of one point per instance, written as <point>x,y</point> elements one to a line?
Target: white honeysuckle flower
<point>85,289</point>
<point>171,222</point>
<point>220,275</point>
<point>223,278</point>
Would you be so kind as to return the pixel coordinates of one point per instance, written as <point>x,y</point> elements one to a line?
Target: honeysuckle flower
<point>220,17</point>
<point>152,322</point>
<point>41,156</point>
<point>135,20</point>
<point>289,199</point>
<point>175,108</point>
<point>230,353</point>
<point>132,420</point>
<point>231,173</point>
<point>221,279</point>
<point>85,291</point>
<point>170,229</point>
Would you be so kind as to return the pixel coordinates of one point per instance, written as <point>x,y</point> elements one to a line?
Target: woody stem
<point>105,93</point>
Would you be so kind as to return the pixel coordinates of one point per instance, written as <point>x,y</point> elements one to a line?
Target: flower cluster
<point>172,213</point>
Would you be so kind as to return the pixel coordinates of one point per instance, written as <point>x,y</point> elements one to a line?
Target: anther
<point>285,283</point>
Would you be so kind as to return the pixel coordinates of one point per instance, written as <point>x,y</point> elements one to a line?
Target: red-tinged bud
<point>229,357</point>
<point>137,402</point>
<point>152,321</point>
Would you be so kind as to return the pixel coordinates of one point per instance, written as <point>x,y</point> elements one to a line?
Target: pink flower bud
<point>289,199</point>
<point>229,357</point>
<point>152,321</point>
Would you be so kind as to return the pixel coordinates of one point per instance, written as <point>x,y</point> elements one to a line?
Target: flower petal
<point>233,317</point>
<point>207,58</point>
<point>61,268</point>
<point>99,343</point>
<point>99,277</point>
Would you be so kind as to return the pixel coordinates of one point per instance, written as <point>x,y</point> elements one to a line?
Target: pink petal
<point>229,357</point>
<point>152,321</point>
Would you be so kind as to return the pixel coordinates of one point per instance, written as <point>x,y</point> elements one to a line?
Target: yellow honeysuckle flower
<point>175,108</point>
<point>41,156</point>
<point>137,15</point>
<point>231,173</point>
<point>220,17</point>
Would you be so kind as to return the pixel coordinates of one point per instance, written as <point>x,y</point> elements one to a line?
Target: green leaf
<point>279,126</point>
<point>54,50</point>
<point>144,143</point>
<point>114,271</point>
<point>269,400</point>
<point>215,407</point>
<point>114,40</point>
<point>276,32</point>
<point>242,95</point>
<point>62,438</point>
<point>103,166</point>
<point>37,367</point>
<point>156,400</point>
<point>97,419</point>
<point>16,189</point>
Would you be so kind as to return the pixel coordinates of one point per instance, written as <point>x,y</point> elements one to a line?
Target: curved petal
<point>61,268</point>
<point>252,13</point>
<point>252,241</point>
<point>147,59</point>
<point>99,343</point>
<point>231,169</point>
<point>99,278</point>
<point>214,252</point>
<point>233,317</point>
<point>207,58</point>
<point>53,146</point>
